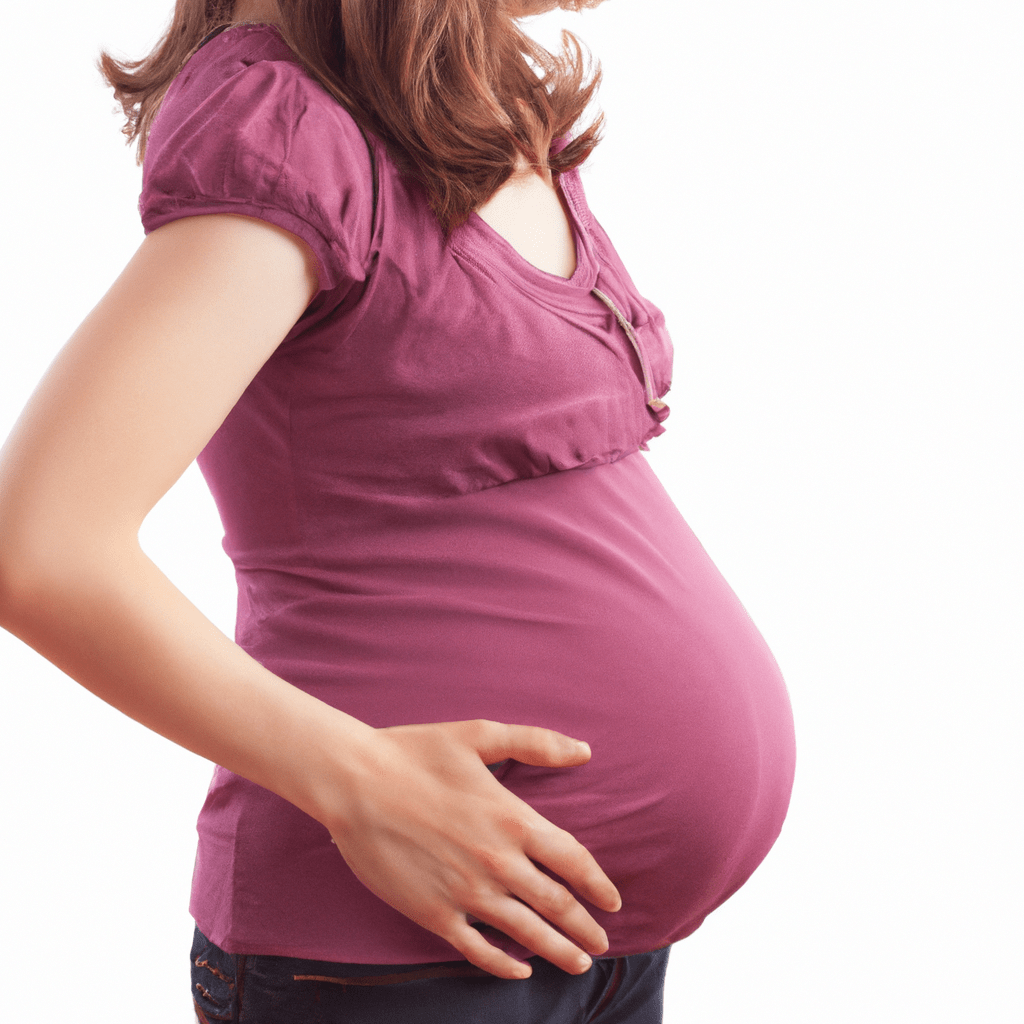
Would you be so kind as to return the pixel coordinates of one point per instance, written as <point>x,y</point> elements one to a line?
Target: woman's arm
<point>127,404</point>
<point>124,408</point>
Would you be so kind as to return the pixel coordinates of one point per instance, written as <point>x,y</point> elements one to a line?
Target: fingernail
<point>583,748</point>
<point>584,963</point>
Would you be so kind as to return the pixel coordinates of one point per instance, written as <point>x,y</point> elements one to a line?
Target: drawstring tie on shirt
<point>652,399</point>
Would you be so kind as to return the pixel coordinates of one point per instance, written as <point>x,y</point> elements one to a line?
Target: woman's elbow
<point>38,565</point>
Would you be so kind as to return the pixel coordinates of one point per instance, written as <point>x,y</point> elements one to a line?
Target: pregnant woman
<point>373,302</point>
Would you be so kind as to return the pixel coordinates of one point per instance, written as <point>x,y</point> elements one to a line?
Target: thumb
<point>530,744</point>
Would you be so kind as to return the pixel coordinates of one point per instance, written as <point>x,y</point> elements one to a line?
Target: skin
<point>125,407</point>
<point>256,10</point>
<point>530,213</point>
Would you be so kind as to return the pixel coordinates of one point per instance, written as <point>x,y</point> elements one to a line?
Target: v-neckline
<point>477,239</point>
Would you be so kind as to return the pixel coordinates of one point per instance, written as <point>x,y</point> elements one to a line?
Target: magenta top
<point>436,502</point>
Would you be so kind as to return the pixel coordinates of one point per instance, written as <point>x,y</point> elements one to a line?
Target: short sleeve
<point>262,138</point>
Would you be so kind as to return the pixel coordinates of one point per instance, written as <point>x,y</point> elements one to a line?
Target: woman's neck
<point>256,10</point>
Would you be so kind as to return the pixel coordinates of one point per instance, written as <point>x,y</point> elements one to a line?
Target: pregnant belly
<point>691,772</point>
<point>582,602</point>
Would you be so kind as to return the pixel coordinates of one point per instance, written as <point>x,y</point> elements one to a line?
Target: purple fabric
<point>435,499</point>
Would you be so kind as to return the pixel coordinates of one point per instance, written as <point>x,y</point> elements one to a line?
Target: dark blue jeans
<point>258,989</point>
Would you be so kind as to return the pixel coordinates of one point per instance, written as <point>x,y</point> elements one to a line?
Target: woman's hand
<point>428,829</point>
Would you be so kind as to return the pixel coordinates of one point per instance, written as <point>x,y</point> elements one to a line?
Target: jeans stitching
<point>468,971</point>
<point>214,971</point>
<point>613,987</point>
<point>201,1015</point>
<point>239,983</point>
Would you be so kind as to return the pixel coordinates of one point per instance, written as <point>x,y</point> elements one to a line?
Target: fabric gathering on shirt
<point>437,506</point>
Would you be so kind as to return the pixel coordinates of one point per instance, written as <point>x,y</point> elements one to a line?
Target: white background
<point>825,200</point>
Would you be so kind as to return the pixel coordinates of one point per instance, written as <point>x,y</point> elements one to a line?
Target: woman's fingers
<point>522,923</point>
<point>554,903</point>
<point>554,847</point>
<point>567,857</point>
<point>535,909</point>
<point>477,950</point>
<point>530,744</point>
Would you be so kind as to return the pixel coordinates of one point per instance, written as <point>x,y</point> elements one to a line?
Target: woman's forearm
<point>116,624</point>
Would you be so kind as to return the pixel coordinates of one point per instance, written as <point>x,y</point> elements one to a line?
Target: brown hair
<point>445,84</point>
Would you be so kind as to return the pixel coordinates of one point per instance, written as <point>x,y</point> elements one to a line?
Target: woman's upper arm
<point>145,381</point>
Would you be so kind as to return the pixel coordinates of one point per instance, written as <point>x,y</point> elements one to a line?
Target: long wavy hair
<point>446,85</point>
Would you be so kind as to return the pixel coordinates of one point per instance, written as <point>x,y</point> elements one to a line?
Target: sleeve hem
<point>160,212</point>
